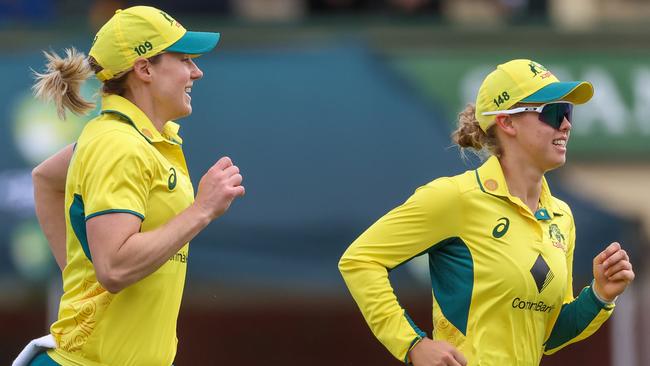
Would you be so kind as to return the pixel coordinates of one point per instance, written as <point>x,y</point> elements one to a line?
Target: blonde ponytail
<point>61,82</point>
<point>469,134</point>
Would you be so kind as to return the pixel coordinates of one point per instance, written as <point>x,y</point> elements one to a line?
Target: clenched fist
<point>220,185</point>
<point>612,272</point>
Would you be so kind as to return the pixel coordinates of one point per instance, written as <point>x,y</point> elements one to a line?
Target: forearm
<point>50,212</point>
<point>48,179</point>
<point>144,252</point>
<point>577,320</point>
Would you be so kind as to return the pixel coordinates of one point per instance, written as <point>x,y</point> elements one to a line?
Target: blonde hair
<point>469,134</point>
<point>62,80</point>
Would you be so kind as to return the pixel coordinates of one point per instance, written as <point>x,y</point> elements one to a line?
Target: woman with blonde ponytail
<point>500,246</point>
<point>118,206</point>
<point>61,82</point>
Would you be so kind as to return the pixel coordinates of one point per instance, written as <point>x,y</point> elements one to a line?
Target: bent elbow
<point>37,174</point>
<point>111,281</point>
<point>42,179</point>
<point>345,265</point>
<point>341,265</point>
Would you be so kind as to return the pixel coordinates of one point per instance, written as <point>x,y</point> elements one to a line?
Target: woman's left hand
<point>612,272</point>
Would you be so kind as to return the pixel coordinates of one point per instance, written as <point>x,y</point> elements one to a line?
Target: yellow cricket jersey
<point>500,274</point>
<point>121,163</point>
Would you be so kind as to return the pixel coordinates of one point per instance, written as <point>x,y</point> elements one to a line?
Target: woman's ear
<point>142,69</point>
<point>504,123</point>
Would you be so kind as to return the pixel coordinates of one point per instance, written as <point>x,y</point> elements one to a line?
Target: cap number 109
<point>143,48</point>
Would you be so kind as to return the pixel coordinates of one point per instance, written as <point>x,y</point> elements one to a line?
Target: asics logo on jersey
<point>501,228</point>
<point>171,181</point>
<point>542,273</point>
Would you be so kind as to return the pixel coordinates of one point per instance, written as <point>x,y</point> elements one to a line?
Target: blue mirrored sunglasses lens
<point>554,114</point>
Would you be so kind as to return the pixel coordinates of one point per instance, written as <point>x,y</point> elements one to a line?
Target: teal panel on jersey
<point>42,359</point>
<point>415,327</point>
<point>78,223</point>
<point>574,318</point>
<point>452,279</point>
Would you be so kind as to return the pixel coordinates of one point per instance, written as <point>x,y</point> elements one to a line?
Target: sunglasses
<point>553,114</point>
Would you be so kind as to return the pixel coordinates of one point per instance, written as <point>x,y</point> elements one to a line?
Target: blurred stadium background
<point>336,110</point>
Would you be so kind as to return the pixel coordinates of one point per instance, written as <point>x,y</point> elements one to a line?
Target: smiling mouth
<point>559,142</point>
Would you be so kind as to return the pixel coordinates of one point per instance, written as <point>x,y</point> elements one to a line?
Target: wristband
<point>603,301</point>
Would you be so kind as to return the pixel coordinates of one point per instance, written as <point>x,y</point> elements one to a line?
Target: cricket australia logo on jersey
<point>556,237</point>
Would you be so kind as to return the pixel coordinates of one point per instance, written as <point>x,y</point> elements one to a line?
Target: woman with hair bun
<point>500,246</point>
<point>129,204</point>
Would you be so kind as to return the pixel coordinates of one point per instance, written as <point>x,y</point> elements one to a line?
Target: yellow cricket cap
<point>143,31</point>
<point>525,81</point>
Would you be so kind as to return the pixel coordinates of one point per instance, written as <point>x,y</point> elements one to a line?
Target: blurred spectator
<point>197,7</point>
<point>576,15</point>
<point>416,6</point>
<point>341,6</point>
<point>522,11</point>
<point>370,6</point>
<point>495,12</point>
<point>269,10</point>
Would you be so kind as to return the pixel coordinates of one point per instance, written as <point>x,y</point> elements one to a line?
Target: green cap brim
<point>195,43</point>
<point>576,92</point>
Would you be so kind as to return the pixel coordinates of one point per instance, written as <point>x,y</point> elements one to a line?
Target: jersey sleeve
<point>116,175</point>
<point>579,317</point>
<point>428,217</point>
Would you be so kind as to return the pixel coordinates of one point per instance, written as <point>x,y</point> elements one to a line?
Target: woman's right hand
<point>435,353</point>
<point>220,185</point>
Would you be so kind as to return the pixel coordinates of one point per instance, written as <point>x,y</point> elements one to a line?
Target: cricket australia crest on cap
<point>168,18</point>
<point>539,70</point>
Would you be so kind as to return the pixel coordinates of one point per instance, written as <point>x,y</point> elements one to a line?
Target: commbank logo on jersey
<point>542,273</point>
<point>501,228</point>
<point>171,181</point>
<point>556,237</point>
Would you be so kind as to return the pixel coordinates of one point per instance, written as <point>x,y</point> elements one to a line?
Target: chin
<point>182,114</point>
<point>557,164</point>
